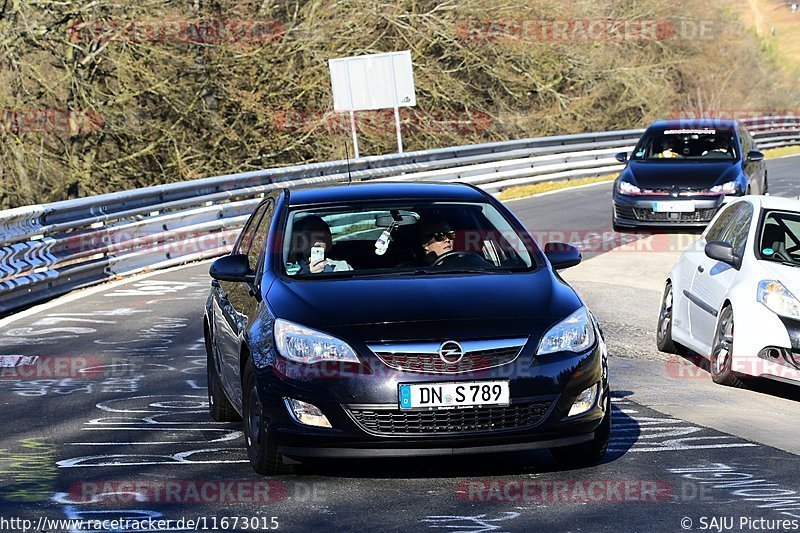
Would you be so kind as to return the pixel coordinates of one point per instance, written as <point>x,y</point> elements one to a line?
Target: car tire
<point>664,340</point>
<point>219,406</point>
<point>261,447</point>
<point>588,453</point>
<point>721,360</point>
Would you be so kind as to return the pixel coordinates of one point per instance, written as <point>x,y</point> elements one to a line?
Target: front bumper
<point>638,211</point>
<point>367,422</point>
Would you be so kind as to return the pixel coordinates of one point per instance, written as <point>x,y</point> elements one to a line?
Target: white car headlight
<point>626,187</point>
<point>573,334</point>
<point>778,299</point>
<point>725,188</point>
<point>305,345</point>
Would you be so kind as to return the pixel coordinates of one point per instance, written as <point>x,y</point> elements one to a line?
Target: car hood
<point>788,275</point>
<point>424,307</point>
<point>688,175</point>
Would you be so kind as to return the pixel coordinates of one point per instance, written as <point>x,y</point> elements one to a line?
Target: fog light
<point>307,414</point>
<point>585,401</point>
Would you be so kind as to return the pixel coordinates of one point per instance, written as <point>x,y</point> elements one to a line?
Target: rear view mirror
<point>562,255</point>
<point>723,252</point>
<point>234,267</point>
<point>402,218</point>
<point>755,156</point>
<point>622,157</point>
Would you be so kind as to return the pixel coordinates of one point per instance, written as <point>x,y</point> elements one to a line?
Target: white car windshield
<point>780,237</point>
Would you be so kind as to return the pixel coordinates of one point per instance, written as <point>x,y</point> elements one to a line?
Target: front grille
<point>700,215</point>
<point>431,362</point>
<point>395,421</point>
<point>423,356</point>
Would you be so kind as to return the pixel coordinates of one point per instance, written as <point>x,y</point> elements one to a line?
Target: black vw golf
<point>399,320</point>
<point>681,170</point>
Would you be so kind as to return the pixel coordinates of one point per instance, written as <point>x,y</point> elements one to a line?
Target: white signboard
<point>380,81</point>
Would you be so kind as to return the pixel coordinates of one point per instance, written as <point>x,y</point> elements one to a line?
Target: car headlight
<point>573,334</point>
<point>725,188</point>
<point>626,187</point>
<point>778,299</point>
<point>305,345</point>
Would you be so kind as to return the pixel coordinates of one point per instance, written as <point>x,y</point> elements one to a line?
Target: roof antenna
<point>347,158</point>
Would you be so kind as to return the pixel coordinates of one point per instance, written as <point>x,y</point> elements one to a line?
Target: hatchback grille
<point>431,362</point>
<point>470,420</point>
<point>700,215</point>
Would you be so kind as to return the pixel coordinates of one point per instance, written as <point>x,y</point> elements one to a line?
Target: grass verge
<point>522,191</point>
<point>782,151</point>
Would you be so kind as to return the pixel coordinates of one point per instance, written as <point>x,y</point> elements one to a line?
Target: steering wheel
<point>467,259</point>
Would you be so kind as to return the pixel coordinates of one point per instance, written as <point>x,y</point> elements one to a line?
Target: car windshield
<point>694,144</point>
<point>416,238</point>
<point>780,237</point>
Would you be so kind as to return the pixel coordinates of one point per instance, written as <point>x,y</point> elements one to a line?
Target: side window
<point>744,141</point>
<point>717,230</point>
<point>260,234</point>
<point>246,237</point>
<point>739,228</point>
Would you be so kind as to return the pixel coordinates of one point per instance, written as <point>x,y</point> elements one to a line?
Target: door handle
<point>701,269</point>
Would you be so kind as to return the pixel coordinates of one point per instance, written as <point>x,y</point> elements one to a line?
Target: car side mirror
<point>755,156</point>
<point>235,267</point>
<point>622,157</point>
<point>562,255</point>
<point>723,252</point>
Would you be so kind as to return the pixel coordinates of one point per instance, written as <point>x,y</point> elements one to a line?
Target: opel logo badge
<point>451,352</point>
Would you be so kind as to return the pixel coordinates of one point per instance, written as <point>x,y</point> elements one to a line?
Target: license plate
<point>449,395</point>
<point>673,207</point>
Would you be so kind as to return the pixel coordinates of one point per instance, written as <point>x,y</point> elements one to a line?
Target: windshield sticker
<point>767,251</point>
<point>690,132</point>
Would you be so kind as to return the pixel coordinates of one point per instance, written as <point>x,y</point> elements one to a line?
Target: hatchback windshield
<point>687,144</point>
<point>418,238</point>
<point>780,237</point>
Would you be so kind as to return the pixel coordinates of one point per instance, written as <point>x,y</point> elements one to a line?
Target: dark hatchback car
<point>680,171</point>
<point>389,320</point>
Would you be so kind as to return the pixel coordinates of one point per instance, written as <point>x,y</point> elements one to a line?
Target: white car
<point>731,295</point>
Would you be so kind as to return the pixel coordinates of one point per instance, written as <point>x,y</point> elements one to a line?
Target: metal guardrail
<point>51,249</point>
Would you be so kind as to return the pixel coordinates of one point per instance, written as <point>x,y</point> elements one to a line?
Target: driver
<point>436,238</point>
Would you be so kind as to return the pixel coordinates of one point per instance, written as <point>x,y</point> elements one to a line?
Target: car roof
<point>372,191</point>
<point>723,124</point>
<point>777,202</point>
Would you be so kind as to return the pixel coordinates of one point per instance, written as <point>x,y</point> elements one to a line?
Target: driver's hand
<point>317,266</point>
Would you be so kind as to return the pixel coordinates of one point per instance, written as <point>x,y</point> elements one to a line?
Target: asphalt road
<point>111,423</point>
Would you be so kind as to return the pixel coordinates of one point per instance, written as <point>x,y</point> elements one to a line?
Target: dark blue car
<point>681,170</point>
<point>388,320</point>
